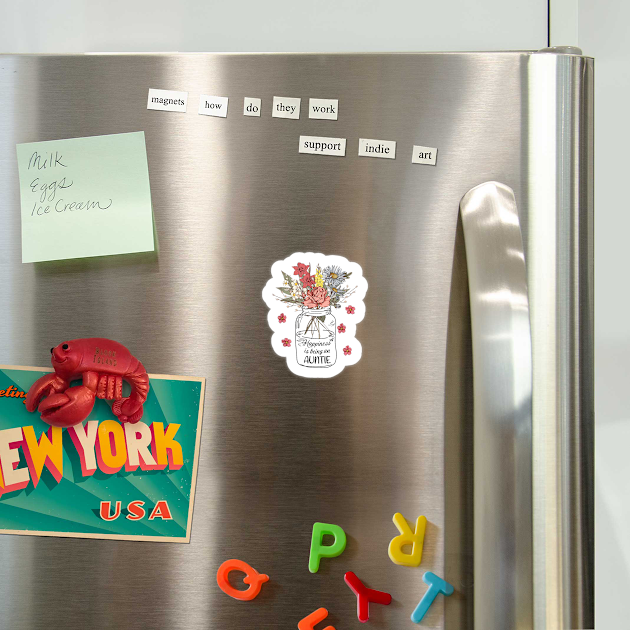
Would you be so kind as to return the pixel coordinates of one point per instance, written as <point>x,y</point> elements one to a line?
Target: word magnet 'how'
<point>319,550</point>
<point>365,595</point>
<point>407,537</point>
<point>252,577</point>
<point>309,623</point>
<point>436,586</point>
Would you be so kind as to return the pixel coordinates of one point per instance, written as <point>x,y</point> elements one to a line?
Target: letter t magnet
<point>407,537</point>
<point>436,586</point>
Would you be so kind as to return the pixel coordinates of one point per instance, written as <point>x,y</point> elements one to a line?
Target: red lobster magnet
<point>102,364</point>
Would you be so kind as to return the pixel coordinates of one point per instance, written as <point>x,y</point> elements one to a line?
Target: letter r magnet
<point>407,537</point>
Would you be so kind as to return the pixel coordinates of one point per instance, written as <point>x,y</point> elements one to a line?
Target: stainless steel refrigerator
<point>472,403</point>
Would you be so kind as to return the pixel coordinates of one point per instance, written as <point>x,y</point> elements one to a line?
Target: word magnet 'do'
<point>319,550</point>
<point>407,537</point>
<point>252,577</point>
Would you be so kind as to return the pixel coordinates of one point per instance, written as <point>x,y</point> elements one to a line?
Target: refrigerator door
<point>393,433</point>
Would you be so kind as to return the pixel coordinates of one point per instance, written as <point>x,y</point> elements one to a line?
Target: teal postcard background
<point>72,505</point>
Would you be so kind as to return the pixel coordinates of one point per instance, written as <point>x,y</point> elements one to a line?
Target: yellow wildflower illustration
<point>319,278</point>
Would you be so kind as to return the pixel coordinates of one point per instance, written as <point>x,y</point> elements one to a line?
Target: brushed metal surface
<point>560,273</point>
<point>502,372</point>
<point>230,197</point>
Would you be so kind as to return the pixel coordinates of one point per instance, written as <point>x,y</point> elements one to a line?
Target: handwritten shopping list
<point>85,197</point>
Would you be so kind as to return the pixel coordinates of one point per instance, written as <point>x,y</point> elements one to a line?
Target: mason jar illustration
<point>315,332</point>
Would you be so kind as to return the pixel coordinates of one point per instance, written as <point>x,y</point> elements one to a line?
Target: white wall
<point>603,27</point>
<point>260,25</point>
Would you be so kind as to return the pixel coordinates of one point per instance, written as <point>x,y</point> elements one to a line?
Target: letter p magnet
<point>319,551</point>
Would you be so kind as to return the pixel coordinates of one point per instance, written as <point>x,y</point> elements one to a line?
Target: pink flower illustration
<point>347,350</point>
<point>317,298</point>
<point>350,311</point>
<point>282,318</point>
<point>286,342</point>
<point>341,328</point>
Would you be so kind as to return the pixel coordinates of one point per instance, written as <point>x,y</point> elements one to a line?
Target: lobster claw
<point>68,408</point>
<point>43,386</point>
<point>127,410</point>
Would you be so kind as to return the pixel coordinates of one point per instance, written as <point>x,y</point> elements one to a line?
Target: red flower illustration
<point>286,342</point>
<point>300,269</point>
<point>341,328</point>
<point>350,311</point>
<point>308,280</point>
<point>347,350</point>
<point>282,318</point>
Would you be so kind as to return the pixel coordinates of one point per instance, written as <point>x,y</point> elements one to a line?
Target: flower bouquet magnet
<point>315,303</point>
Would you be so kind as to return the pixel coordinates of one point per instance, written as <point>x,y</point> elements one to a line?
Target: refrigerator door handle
<point>502,374</point>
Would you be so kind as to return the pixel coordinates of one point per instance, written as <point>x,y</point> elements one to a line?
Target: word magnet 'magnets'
<point>407,537</point>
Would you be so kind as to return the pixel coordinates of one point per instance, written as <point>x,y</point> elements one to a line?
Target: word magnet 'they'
<point>319,550</point>
<point>407,537</point>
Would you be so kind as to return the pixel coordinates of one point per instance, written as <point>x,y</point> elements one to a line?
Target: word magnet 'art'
<point>315,303</point>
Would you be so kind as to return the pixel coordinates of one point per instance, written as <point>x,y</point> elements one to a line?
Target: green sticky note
<point>85,197</point>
